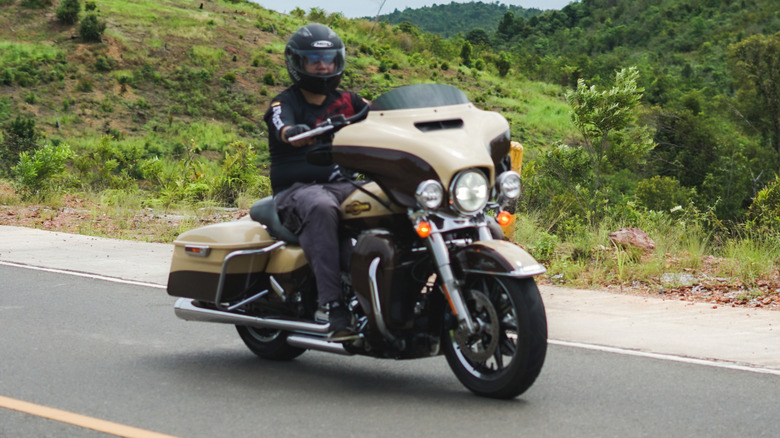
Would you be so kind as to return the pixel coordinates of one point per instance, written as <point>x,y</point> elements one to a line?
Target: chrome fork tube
<point>441,256</point>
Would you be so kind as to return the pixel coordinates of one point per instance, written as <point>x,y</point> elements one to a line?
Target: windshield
<point>419,96</point>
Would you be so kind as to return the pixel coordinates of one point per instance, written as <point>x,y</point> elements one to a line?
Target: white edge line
<point>669,357</point>
<point>84,275</point>
<point>603,348</point>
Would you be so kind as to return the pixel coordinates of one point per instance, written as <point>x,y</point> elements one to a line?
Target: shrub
<point>764,211</point>
<point>239,174</point>
<point>113,165</point>
<point>105,63</point>
<point>229,77</point>
<point>661,193</point>
<point>7,76</point>
<point>91,28</point>
<point>84,85</point>
<point>68,11</point>
<point>19,136</point>
<point>269,79</point>
<point>90,5</point>
<point>42,171</point>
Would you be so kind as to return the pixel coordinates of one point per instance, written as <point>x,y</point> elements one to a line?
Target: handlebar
<point>334,123</point>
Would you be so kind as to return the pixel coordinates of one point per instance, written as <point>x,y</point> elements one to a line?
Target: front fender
<point>498,257</point>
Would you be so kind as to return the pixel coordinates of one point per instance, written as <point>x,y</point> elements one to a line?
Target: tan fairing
<point>447,151</point>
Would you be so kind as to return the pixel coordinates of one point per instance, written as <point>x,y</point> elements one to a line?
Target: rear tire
<point>506,355</point>
<point>268,343</point>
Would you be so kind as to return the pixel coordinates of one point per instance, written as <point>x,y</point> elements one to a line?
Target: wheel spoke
<point>498,357</point>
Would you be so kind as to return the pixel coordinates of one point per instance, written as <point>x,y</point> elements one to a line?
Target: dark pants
<point>312,211</point>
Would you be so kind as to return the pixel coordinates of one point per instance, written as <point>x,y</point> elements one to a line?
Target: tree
<point>606,121</point>
<point>91,28</point>
<point>756,64</point>
<point>503,63</point>
<point>478,37</point>
<point>506,27</point>
<point>68,11</point>
<point>465,54</point>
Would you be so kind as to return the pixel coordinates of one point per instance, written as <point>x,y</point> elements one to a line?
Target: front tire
<point>504,357</point>
<point>268,343</point>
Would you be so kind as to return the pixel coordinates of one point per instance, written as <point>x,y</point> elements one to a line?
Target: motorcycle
<point>426,270</point>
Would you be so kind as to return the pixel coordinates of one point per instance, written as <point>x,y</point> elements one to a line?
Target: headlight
<point>469,192</point>
<point>509,184</point>
<point>430,194</point>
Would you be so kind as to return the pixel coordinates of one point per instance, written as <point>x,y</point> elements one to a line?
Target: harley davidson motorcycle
<point>427,270</point>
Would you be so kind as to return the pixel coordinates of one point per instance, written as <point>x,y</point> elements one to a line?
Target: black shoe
<point>340,321</point>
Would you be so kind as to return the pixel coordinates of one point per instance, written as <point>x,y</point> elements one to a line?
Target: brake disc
<point>480,346</point>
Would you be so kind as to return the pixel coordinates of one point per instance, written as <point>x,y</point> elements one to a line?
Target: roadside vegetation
<point>143,119</point>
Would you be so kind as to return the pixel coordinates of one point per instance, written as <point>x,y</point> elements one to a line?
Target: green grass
<point>17,53</point>
<point>751,258</point>
<point>206,56</point>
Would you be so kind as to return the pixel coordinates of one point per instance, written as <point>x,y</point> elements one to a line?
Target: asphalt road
<point>116,352</point>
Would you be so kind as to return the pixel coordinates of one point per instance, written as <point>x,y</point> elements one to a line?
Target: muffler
<point>188,311</point>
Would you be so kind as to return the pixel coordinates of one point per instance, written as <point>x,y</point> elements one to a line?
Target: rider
<point>308,196</point>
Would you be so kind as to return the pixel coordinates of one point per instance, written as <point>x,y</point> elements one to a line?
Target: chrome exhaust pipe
<point>312,343</point>
<point>188,311</point>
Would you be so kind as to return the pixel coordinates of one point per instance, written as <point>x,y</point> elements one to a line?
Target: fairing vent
<point>439,125</point>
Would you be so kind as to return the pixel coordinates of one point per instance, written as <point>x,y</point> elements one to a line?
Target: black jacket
<point>288,163</point>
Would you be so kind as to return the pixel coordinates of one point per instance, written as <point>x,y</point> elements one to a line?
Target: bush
<point>115,166</point>
<point>269,79</point>
<point>661,193</point>
<point>18,137</point>
<point>229,78</point>
<point>68,11</point>
<point>91,28</point>
<point>239,174</point>
<point>7,76</point>
<point>42,171</point>
<point>764,211</point>
<point>105,63</point>
<point>84,85</point>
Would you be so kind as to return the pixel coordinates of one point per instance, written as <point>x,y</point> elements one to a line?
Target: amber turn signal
<point>504,218</point>
<point>423,229</point>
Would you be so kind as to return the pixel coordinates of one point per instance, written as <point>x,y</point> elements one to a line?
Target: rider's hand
<point>294,130</point>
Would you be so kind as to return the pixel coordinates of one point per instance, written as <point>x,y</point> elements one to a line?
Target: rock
<point>626,237</point>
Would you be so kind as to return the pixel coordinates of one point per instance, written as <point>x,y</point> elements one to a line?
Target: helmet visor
<point>319,58</point>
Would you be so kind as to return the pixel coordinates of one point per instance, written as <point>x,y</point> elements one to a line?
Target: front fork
<point>441,257</point>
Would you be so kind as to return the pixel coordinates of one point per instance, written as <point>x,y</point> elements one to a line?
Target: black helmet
<point>312,43</point>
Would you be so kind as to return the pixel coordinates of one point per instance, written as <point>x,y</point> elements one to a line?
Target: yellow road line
<point>78,420</point>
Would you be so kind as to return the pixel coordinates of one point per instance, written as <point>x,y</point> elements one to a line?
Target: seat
<point>264,211</point>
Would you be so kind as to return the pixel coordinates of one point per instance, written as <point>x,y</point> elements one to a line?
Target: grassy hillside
<point>168,72</point>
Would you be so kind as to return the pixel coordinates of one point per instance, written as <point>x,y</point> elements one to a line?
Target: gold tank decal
<point>356,208</point>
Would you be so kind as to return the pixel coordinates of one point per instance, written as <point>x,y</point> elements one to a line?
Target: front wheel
<point>504,357</point>
<point>268,343</point>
